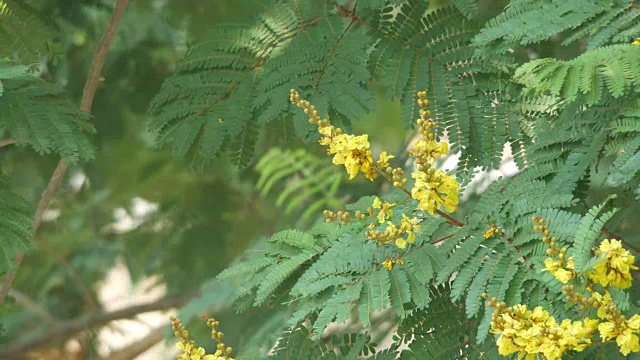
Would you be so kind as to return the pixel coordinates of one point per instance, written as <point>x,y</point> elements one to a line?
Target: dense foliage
<point>398,266</point>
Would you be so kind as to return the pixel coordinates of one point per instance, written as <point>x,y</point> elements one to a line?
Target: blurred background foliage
<point>200,219</point>
<point>196,221</point>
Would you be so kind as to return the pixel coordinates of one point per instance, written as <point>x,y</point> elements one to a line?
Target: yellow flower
<point>636,41</point>
<point>383,161</point>
<point>493,229</point>
<point>604,301</point>
<point>328,131</point>
<point>562,273</point>
<point>410,227</point>
<point>536,332</point>
<point>506,346</point>
<point>385,209</point>
<point>614,269</point>
<point>352,152</point>
<point>608,330</point>
<point>628,342</point>
<point>441,190</point>
<point>430,150</point>
<point>389,263</point>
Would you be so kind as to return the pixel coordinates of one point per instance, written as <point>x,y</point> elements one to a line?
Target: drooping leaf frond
<point>23,31</point>
<point>442,332</point>
<point>613,68</point>
<point>531,21</point>
<point>236,74</point>
<point>617,24</point>
<point>420,50</point>
<point>310,181</point>
<point>38,114</point>
<point>329,275</point>
<point>15,225</point>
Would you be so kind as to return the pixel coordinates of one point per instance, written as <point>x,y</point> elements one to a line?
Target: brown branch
<point>88,94</point>
<point>140,346</point>
<point>6,142</point>
<point>69,328</point>
<point>438,241</point>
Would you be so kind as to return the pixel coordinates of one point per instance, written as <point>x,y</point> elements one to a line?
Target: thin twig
<point>88,94</point>
<point>6,142</point>
<point>85,292</point>
<point>448,217</point>
<point>26,302</point>
<point>611,235</point>
<point>69,328</point>
<point>438,241</point>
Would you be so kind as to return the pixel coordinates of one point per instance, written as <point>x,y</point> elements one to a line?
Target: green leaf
<point>15,225</point>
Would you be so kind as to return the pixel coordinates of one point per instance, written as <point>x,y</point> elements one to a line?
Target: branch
<point>140,346</point>
<point>611,235</point>
<point>69,328</point>
<point>88,94</point>
<point>7,142</point>
<point>85,292</point>
<point>26,302</point>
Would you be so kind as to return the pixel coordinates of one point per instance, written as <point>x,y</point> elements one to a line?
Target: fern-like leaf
<point>37,113</point>
<point>528,21</point>
<point>587,233</point>
<point>16,43</point>
<point>613,67</point>
<point>311,181</point>
<point>15,225</point>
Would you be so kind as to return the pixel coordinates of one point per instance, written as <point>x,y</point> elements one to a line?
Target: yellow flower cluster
<point>556,264</point>
<point>615,267</point>
<point>636,41</point>
<point>536,332</point>
<point>190,351</point>
<point>349,150</point>
<point>401,234</point>
<point>433,188</point>
<point>392,232</point>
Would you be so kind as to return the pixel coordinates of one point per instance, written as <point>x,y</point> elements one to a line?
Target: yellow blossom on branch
<point>190,351</point>
<point>624,331</point>
<point>440,190</point>
<point>383,160</point>
<point>352,152</point>
<point>614,269</point>
<point>534,332</point>
<point>384,209</point>
<point>563,271</point>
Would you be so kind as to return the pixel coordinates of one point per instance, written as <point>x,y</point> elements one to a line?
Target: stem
<point>449,218</point>
<point>69,328</point>
<point>611,235</point>
<point>85,292</point>
<point>88,94</point>
<point>6,142</point>
<point>438,241</point>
